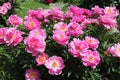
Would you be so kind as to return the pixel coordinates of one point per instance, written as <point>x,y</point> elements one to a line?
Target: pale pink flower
<point>3,32</point>
<point>91,59</point>
<point>78,48</point>
<point>46,13</point>
<point>114,50</point>
<point>7,5</point>
<point>32,74</point>
<point>38,33</point>
<point>74,29</point>
<point>56,14</point>
<point>61,26</point>
<point>36,43</point>
<point>41,58</point>
<point>55,65</point>
<point>32,24</point>
<point>13,37</point>
<point>92,42</point>
<point>60,37</point>
<point>107,21</point>
<point>111,11</point>
<point>3,10</point>
<point>15,20</point>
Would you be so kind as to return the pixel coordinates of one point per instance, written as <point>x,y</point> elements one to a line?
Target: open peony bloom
<point>92,42</point>
<point>3,10</point>
<point>32,74</point>
<point>55,65</point>
<point>41,58</point>
<point>60,37</point>
<point>3,32</point>
<point>13,36</point>
<point>114,50</point>
<point>78,48</point>
<point>91,59</point>
<point>15,20</point>
<point>31,24</point>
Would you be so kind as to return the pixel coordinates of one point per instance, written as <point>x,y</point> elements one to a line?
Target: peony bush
<point>78,44</point>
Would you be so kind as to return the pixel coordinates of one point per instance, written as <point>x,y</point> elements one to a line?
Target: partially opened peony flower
<point>7,5</point>
<point>15,20</point>
<point>60,37</point>
<point>114,50</point>
<point>3,10</point>
<point>13,36</point>
<point>78,48</point>
<point>92,42</point>
<point>55,65</point>
<point>41,58</point>
<point>32,74</point>
<point>32,24</point>
<point>91,59</point>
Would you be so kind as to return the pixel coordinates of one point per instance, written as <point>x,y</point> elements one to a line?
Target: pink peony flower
<point>91,59</point>
<point>92,42</point>
<point>32,74</point>
<point>78,48</point>
<point>78,19</point>
<point>114,50</point>
<point>13,37</point>
<point>107,21</point>
<point>74,11</point>
<point>38,33</point>
<point>3,32</point>
<point>60,37</point>
<point>61,26</point>
<point>7,5</point>
<point>55,65</point>
<point>111,11</point>
<point>33,13</point>
<point>35,43</point>
<point>41,58</point>
<point>74,29</point>
<point>97,11</point>
<point>32,24</point>
<point>56,14</point>
<point>3,10</point>
<point>15,20</point>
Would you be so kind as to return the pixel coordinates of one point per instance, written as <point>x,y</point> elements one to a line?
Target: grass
<point>26,5</point>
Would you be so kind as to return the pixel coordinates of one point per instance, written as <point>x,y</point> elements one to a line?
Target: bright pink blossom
<point>114,50</point>
<point>32,24</point>
<point>13,37</point>
<point>56,14</point>
<point>61,26</point>
<point>35,43</point>
<point>60,37</point>
<point>32,13</point>
<point>78,19</point>
<point>38,33</point>
<point>107,21</point>
<point>15,20</point>
<point>91,59</point>
<point>78,48</point>
<point>55,65</point>
<point>3,32</point>
<point>92,42</point>
<point>74,29</point>
<point>32,74</point>
<point>111,11</point>
<point>7,5</point>
<point>3,10</point>
<point>41,58</point>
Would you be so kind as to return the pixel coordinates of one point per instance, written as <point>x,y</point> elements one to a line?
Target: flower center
<point>109,11</point>
<point>54,64</point>
<point>31,75</point>
<point>32,24</point>
<point>42,59</point>
<point>91,58</point>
